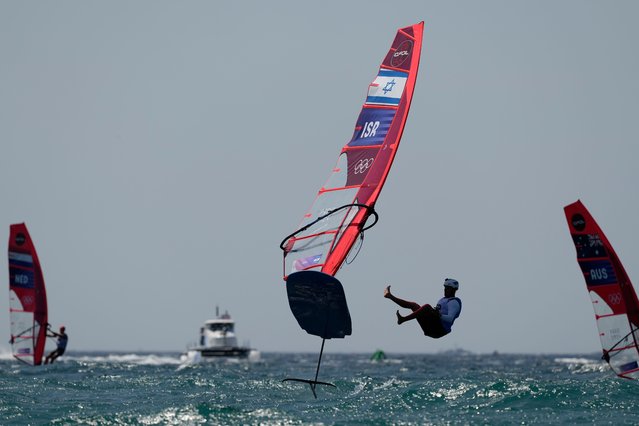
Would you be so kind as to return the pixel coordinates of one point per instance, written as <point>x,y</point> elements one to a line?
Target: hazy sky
<point>160,151</point>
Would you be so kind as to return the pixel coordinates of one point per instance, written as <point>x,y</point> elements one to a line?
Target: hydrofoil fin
<point>313,383</point>
<point>318,302</point>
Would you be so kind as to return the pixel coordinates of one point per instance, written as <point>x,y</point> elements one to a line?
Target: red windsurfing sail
<point>343,205</point>
<point>613,296</point>
<point>27,298</point>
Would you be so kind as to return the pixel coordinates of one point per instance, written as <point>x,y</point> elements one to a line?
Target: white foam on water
<point>138,359</point>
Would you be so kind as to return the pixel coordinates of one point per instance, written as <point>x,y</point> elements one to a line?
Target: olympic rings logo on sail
<point>615,298</point>
<point>363,165</point>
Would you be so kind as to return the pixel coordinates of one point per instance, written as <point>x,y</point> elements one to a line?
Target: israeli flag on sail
<point>387,88</point>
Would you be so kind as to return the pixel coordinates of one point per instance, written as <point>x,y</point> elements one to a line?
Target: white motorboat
<point>218,340</point>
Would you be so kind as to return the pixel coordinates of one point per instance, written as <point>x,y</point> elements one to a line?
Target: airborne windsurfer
<point>61,343</point>
<point>435,322</point>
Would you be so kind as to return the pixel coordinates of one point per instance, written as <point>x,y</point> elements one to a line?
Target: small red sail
<point>27,298</point>
<point>343,205</point>
<point>613,296</point>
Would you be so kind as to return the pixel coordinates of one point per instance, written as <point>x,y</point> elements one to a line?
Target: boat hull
<point>197,355</point>
<point>224,352</point>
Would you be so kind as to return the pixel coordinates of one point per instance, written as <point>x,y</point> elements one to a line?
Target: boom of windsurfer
<point>435,322</point>
<point>61,343</point>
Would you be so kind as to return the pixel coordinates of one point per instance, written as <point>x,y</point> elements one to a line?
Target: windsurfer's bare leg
<point>52,357</point>
<point>401,302</point>
<point>421,311</point>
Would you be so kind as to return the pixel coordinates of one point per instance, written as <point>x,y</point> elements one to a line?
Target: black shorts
<point>57,352</point>
<point>431,324</point>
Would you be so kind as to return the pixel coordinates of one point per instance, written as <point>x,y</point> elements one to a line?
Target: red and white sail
<point>27,298</point>
<point>342,206</point>
<point>613,296</point>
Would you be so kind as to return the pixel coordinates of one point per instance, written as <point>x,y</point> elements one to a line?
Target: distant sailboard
<point>343,207</point>
<point>27,298</point>
<point>613,296</point>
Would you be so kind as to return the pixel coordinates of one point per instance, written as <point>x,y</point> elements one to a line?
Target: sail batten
<point>613,297</point>
<point>28,310</point>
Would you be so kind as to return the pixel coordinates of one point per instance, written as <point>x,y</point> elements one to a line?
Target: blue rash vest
<point>449,311</point>
<point>62,341</point>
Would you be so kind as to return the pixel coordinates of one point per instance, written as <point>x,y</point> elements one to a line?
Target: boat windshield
<point>220,327</point>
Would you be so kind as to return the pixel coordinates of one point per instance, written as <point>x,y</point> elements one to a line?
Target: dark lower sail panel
<point>318,302</point>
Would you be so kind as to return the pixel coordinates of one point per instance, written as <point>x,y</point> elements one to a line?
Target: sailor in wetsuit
<point>435,322</point>
<point>61,344</point>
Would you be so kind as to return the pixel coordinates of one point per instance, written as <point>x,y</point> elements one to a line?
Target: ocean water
<point>447,388</point>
